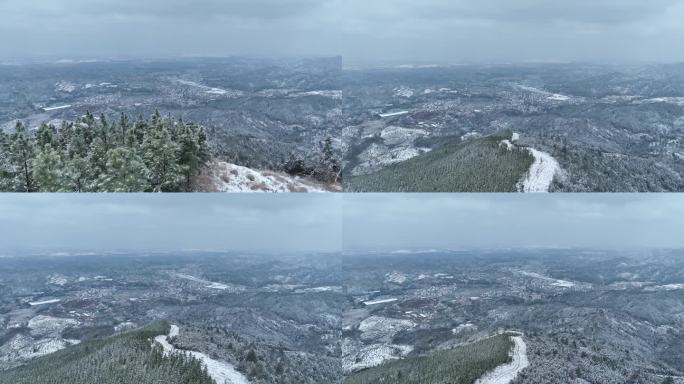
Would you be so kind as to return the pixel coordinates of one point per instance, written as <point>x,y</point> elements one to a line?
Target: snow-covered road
<point>221,372</point>
<point>541,173</point>
<point>504,374</point>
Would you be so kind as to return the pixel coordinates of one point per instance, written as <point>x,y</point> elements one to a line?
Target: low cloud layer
<point>368,32</point>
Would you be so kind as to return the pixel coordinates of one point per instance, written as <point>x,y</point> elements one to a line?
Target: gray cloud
<point>523,11</point>
<point>364,32</point>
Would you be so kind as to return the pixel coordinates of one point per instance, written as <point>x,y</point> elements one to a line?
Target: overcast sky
<point>462,221</point>
<point>332,222</point>
<point>363,31</point>
<point>242,222</point>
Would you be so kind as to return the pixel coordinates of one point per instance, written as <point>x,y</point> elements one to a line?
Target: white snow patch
<point>207,283</point>
<point>334,94</point>
<point>392,114</point>
<point>470,135</point>
<point>57,279</point>
<point>463,328</point>
<point>550,280</point>
<point>396,277</point>
<point>220,371</point>
<point>48,109</point>
<point>65,86</point>
<point>404,92</point>
<point>382,301</point>
<point>667,287</point>
<point>508,144</point>
<point>506,373</point>
<point>357,358</point>
<point>394,135</point>
<point>320,289</point>
<point>383,328</point>
<point>557,97</point>
<point>34,303</point>
<point>541,173</point>
<point>212,90</point>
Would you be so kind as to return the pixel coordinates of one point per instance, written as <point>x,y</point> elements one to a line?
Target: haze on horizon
<point>365,33</point>
<point>295,223</point>
<point>386,222</point>
<point>291,223</point>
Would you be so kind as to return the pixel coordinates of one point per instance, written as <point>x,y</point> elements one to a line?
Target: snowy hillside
<point>226,177</point>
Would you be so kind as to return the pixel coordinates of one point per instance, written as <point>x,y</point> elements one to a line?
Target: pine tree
<point>125,172</point>
<point>46,136</point>
<point>160,154</point>
<point>98,158</point>
<point>21,153</point>
<point>5,166</point>
<point>48,170</point>
<point>329,168</point>
<point>77,174</point>
<point>193,153</point>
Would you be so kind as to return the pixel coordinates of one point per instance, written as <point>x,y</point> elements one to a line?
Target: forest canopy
<point>92,154</point>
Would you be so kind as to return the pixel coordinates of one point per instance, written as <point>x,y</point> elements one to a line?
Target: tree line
<point>92,154</point>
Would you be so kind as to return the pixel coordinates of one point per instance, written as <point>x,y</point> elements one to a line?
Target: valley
<point>499,316</point>
<point>610,128</point>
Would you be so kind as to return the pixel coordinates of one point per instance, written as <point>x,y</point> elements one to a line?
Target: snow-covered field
<point>207,283</point>
<point>404,92</point>
<point>396,277</point>
<point>394,135</point>
<point>34,303</point>
<point>333,94</point>
<point>374,355</point>
<point>48,109</point>
<point>227,177</point>
<point>377,156</point>
<point>43,338</point>
<point>392,114</point>
<point>506,373</point>
<point>667,287</point>
<point>550,280</point>
<point>383,328</point>
<point>376,302</point>
<point>541,173</point>
<point>221,372</point>
<point>212,90</point>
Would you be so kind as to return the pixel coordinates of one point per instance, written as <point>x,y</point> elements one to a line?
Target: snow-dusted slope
<point>541,173</point>
<point>221,372</point>
<point>226,177</point>
<point>506,373</point>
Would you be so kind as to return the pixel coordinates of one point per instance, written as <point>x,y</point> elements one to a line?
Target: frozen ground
<point>221,372</point>
<point>226,177</point>
<point>506,373</point>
